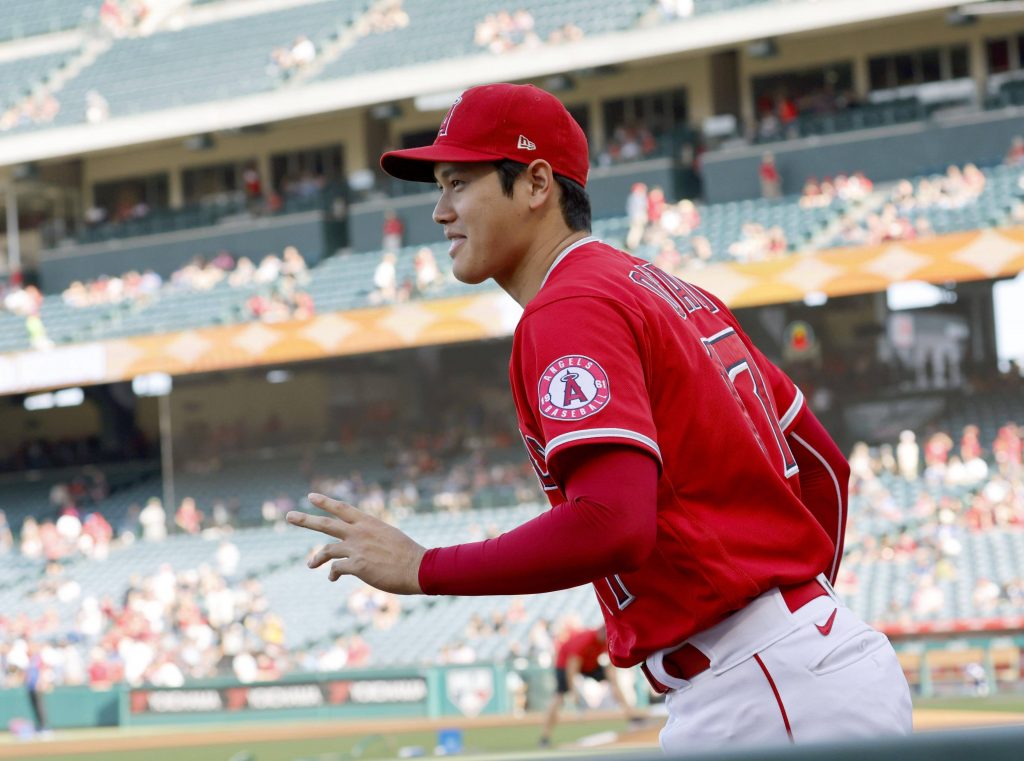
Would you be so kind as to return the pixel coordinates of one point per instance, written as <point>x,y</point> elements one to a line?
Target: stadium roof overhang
<point>691,35</point>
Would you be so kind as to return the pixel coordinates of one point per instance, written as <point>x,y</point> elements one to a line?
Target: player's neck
<point>525,281</point>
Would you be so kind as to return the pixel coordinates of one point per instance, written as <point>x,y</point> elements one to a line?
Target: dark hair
<point>575,202</point>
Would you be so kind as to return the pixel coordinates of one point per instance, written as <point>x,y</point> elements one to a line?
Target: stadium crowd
<point>505,31</point>
<point>282,276</point>
<point>902,217</point>
<point>961,487</point>
<point>186,623</point>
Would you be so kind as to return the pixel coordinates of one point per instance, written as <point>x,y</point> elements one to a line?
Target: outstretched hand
<point>368,548</point>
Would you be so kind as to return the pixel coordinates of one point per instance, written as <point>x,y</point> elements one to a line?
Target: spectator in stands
<point>335,657</point>
<point>985,596</point>
<point>188,518</point>
<point>385,280</point>
<point>386,17</point>
<point>31,544</point>
<point>628,143</point>
<point>758,243</point>
<point>253,188</point>
<point>636,210</point>
<point>294,265</point>
<point>908,455</point>
<point>771,181</point>
<point>392,232</point>
<point>243,274</point>
<point>130,527</point>
<point>1006,449</point>
<point>36,331</point>
<point>1015,154</point>
<point>970,443</point>
<point>359,651</point>
<point>6,536</point>
<point>228,557</point>
<point>280,63</point>
<point>675,9</point>
<point>303,51</point>
<point>269,270</point>
<point>428,276</point>
<point>153,520</point>
<point>96,110</point>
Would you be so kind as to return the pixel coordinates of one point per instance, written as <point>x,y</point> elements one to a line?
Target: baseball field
<point>492,738</point>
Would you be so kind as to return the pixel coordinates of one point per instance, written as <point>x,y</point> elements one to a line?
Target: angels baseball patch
<point>573,387</point>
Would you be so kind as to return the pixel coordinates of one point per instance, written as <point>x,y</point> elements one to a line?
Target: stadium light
<point>69,397</point>
<point>916,294</point>
<point>66,397</point>
<point>39,402</point>
<point>152,384</point>
<point>816,298</point>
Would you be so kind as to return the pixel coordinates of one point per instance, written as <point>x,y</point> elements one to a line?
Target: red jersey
<point>613,350</point>
<point>584,644</point>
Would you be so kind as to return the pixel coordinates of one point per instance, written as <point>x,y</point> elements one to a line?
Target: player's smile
<point>478,219</point>
<point>456,241</point>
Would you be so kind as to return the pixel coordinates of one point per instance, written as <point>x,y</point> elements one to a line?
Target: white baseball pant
<point>775,676</point>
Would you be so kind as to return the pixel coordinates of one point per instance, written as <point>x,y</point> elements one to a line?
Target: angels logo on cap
<point>573,387</point>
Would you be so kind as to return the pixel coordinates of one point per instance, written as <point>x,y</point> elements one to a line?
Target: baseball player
<point>579,655</point>
<point>688,480</point>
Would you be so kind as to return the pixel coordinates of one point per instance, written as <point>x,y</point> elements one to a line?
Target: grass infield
<point>494,739</point>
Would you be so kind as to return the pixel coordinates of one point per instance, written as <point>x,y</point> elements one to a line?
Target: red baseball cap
<point>500,121</point>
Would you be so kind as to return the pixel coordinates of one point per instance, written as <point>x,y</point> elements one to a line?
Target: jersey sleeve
<point>581,367</point>
<point>789,400</point>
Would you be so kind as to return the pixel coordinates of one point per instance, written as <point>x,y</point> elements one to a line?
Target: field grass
<point>1008,703</point>
<point>344,741</point>
<point>513,741</point>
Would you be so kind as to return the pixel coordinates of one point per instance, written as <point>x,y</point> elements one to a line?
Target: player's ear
<point>540,181</point>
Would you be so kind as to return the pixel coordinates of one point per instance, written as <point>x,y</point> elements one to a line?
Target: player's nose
<point>443,210</point>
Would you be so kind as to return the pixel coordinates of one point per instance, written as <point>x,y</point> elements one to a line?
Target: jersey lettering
<point>681,296</point>
<point>752,392</point>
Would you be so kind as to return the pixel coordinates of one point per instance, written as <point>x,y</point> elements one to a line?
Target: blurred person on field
<point>580,655</point>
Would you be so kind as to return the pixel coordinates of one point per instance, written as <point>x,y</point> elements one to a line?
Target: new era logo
<point>526,144</point>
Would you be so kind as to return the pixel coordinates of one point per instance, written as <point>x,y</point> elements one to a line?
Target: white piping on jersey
<point>565,253</point>
<point>600,433</point>
<point>839,503</point>
<point>719,334</point>
<point>794,408</point>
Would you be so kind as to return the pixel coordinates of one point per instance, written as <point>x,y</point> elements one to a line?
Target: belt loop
<point>656,665</point>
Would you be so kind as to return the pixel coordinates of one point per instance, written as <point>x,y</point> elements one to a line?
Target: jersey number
<point>619,598</point>
<point>753,393</point>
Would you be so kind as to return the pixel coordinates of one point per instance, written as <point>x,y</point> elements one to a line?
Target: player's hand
<point>368,548</point>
